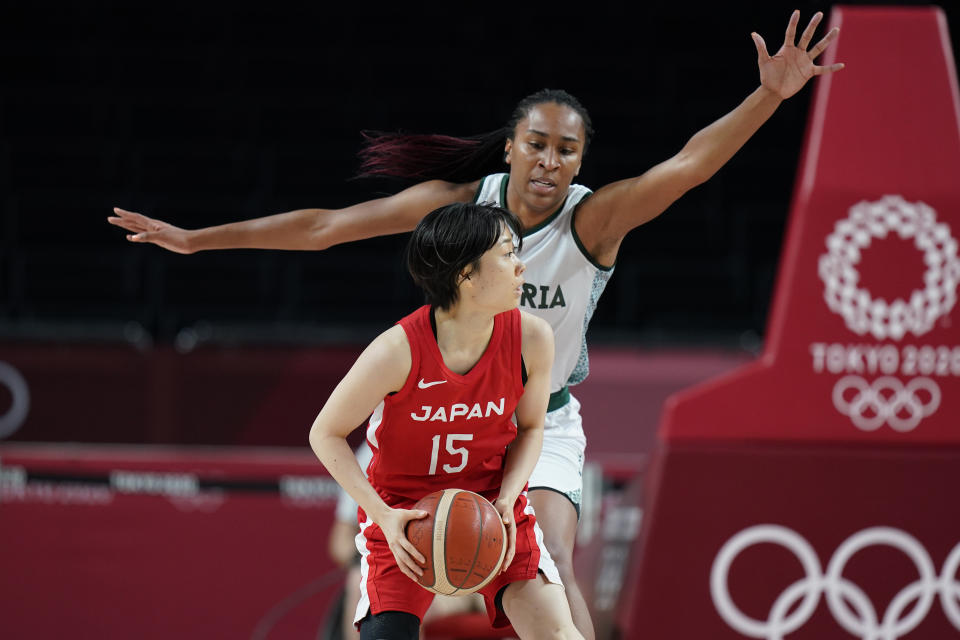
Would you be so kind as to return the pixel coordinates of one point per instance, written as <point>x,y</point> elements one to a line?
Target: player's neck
<point>531,213</point>
<point>462,336</point>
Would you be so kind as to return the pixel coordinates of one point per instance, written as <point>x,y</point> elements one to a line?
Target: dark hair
<point>449,239</point>
<point>546,96</point>
<point>457,159</point>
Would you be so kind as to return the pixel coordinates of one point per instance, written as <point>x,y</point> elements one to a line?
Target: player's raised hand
<point>505,507</point>
<point>144,229</point>
<point>394,525</point>
<point>786,71</point>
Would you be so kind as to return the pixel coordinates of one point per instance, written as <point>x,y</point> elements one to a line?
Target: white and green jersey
<point>563,282</point>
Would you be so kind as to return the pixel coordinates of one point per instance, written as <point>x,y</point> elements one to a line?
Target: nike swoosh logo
<point>424,385</point>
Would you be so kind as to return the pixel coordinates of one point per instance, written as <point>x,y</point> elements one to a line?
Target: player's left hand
<point>144,229</point>
<point>505,506</point>
<point>788,69</point>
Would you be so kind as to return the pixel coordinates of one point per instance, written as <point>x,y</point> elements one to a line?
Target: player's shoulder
<point>388,357</point>
<point>392,340</point>
<point>579,192</point>
<point>392,347</point>
<point>487,189</point>
<point>455,191</point>
<point>536,332</point>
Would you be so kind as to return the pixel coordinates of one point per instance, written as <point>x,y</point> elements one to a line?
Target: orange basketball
<point>463,540</point>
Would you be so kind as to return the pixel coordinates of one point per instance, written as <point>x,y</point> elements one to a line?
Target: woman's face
<point>544,157</point>
<point>497,283</point>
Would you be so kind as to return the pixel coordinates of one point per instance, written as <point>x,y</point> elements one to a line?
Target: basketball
<point>463,540</point>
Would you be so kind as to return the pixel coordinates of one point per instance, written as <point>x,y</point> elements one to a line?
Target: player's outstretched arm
<point>617,208</point>
<point>304,229</point>
<point>382,368</point>
<point>537,350</point>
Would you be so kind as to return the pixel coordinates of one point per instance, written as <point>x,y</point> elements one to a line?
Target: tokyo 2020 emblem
<point>917,311</point>
<point>889,400</point>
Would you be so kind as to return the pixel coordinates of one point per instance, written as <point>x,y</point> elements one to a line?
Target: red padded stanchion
<point>813,494</point>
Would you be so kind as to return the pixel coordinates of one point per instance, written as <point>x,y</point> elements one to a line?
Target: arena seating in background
<point>218,114</point>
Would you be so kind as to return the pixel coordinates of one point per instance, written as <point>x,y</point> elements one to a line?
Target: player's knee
<point>390,625</point>
<point>565,569</point>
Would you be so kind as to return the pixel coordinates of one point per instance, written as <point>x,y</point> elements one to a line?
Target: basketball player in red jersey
<point>442,386</point>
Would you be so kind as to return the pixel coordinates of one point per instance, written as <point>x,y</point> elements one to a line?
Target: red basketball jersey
<point>443,429</point>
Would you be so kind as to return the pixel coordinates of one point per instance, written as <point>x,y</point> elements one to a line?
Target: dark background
<point>206,113</point>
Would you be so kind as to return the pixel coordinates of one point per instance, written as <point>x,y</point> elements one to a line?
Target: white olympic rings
<point>20,402</point>
<point>845,294</point>
<point>850,605</point>
<point>887,399</point>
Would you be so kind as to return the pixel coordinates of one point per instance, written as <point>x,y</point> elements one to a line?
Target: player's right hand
<point>505,507</point>
<point>394,527</point>
<point>144,229</point>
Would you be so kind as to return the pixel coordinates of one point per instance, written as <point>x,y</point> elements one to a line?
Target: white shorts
<point>560,467</point>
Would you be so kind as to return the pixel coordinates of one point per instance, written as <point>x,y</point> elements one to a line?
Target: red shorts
<point>383,586</point>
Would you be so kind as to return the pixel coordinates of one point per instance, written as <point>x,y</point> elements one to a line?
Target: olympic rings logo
<point>886,401</point>
<point>20,402</point>
<point>864,314</point>
<point>848,603</point>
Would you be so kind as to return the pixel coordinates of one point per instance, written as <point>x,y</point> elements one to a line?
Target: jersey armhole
<point>414,365</point>
<point>576,238</point>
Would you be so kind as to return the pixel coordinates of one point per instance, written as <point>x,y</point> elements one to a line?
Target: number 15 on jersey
<point>451,448</point>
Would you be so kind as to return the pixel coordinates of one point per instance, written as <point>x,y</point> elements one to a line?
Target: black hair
<point>457,159</point>
<point>546,96</point>
<point>449,239</point>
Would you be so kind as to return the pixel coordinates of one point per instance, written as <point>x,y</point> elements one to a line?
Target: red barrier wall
<point>250,396</point>
<point>148,542</point>
<point>270,396</point>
